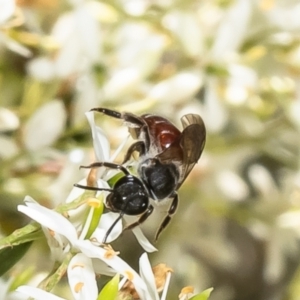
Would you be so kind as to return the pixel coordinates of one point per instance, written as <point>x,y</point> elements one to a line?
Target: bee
<point>166,157</point>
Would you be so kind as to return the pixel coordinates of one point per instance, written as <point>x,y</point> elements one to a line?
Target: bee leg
<point>137,126</point>
<point>138,146</point>
<point>107,165</point>
<point>112,227</point>
<point>142,218</point>
<point>168,217</point>
<point>108,112</point>
<point>127,117</point>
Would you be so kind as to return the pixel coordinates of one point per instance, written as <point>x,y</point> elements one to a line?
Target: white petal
<point>186,26</point>
<point>122,83</point>
<point>286,17</point>
<point>88,33</point>
<point>143,241</point>
<point>105,223</point>
<point>87,96</point>
<point>214,113</point>
<point>41,68</point>
<point>45,125</point>
<point>80,271</point>
<point>57,243</point>
<point>232,30</point>
<point>63,28</point>
<point>15,46</point>
<point>147,274</point>
<point>119,149</point>
<point>8,120</point>
<point>116,263</point>
<point>263,181</point>
<point>101,143</point>
<point>69,58</point>
<point>181,86</point>
<point>101,267</point>
<point>76,192</point>
<point>48,218</point>
<point>8,147</point>
<point>7,8</point>
<point>232,185</point>
<point>36,293</point>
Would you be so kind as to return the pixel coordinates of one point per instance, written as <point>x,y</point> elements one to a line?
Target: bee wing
<point>188,148</point>
<point>192,143</point>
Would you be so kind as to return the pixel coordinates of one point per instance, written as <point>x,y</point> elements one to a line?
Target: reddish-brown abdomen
<point>162,132</point>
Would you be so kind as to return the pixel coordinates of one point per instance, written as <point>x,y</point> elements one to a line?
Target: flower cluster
<point>69,235</point>
<point>75,240</point>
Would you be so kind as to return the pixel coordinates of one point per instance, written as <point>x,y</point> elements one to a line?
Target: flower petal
<point>81,278</point>
<point>45,126</point>
<point>101,267</point>
<point>15,46</point>
<point>101,143</point>
<point>48,218</point>
<point>7,8</point>
<point>143,241</point>
<point>147,274</point>
<point>105,222</point>
<point>116,263</point>
<point>37,293</point>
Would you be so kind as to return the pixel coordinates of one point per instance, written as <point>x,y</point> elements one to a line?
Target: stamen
<point>93,202</point>
<point>78,287</point>
<point>161,272</point>
<point>78,265</point>
<point>51,232</point>
<point>129,275</point>
<point>110,252</point>
<point>186,292</point>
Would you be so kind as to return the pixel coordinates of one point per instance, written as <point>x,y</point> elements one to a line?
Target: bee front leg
<point>137,126</point>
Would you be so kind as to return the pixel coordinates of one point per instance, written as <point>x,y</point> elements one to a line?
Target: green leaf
<point>28,233</point>
<point>10,256</point>
<point>203,296</point>
<point>110,290</point>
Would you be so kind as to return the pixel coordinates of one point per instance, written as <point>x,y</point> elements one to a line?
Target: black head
<point>128,196</point>
<point>161,179</point>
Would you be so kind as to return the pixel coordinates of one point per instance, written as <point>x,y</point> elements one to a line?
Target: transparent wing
<point>192,142</point>
<point>189,146</point>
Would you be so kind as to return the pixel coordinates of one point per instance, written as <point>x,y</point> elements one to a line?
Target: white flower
<point>81,278</point>
<point>45,125</point>
<point>232,30</point>
<point>66,237</point>
<point>69,235</point>
<point>155,279</point>
<point>79,37</point>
